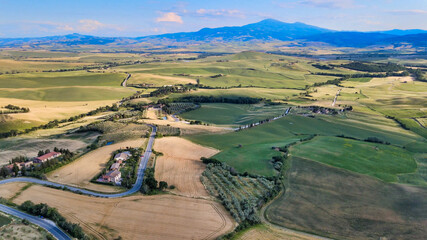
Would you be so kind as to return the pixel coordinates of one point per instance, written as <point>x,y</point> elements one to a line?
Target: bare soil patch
<point>9,190</point>
<point>181,165</point>
<point>264,232</point>
<point>44,111</point>
<point>137,217</point>
<point>14,147</point>
<point>188,129</point>
<point>81,171</point>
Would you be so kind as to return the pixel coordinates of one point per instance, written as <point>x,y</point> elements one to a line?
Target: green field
<point>267,93</point>
<point>4,220</point>
<point>257,142</point>
<point>337,203</point>
<point>243,69</point>
<point>234,114</point>
<point>60,79</point>
<point>378,160</point>
<point>69,94</point>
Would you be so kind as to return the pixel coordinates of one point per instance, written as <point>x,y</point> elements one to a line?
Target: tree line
<point>55,123</point>
<point>45,211</point>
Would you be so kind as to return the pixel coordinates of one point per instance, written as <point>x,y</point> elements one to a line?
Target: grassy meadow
<point>385,162</point>
<point>234,114</point>
<point>256,151</point>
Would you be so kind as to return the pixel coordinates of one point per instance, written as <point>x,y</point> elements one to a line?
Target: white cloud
<point>170,17</point>
<point>410,11</point>
<point>89,25</point>
<point>65,27</point>
<point>220,12</point>
<point>329,3</point>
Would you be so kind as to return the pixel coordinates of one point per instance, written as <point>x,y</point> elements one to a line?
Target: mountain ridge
<point>265,30</point>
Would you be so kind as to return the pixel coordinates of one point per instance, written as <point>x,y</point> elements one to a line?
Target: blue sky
<point>31,18</point>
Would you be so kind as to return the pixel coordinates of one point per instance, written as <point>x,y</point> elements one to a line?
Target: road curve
<point>49,225</point>
<point>124,83</point>
<point>138,183</point>
<point>46,224</point>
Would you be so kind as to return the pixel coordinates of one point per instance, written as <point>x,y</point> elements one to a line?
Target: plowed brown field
<point>137,217</point>
<point>181,165</point>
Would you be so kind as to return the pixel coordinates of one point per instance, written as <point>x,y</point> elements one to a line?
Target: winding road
<point>124,83</point>
<point>50,226</point>
<point>44,223</point>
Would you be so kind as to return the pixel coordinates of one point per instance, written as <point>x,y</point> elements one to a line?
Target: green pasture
<point>267,93</point>
<point>234,114</point>
<point>67,94</point>
<point>378,160</point>
<point>250,150</point>
<point>60,79</point>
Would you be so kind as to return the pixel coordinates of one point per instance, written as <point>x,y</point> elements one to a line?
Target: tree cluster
<point>44,210</point>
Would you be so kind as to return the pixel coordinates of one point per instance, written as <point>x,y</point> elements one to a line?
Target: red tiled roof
<point>48,155</point>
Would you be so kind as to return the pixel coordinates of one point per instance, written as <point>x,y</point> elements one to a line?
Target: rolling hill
<point>265,30</point>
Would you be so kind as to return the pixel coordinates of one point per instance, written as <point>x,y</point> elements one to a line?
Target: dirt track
<point>81,171</point>
<point>9,190</point>
<point>270,233</point>
<point>137,217</point>
<point>181,165</point>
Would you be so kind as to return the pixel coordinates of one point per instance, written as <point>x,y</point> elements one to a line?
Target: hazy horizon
<point>131,18</point>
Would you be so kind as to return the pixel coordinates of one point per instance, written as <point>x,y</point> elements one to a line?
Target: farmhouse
<point>112,176</point>
<point>123,156</point>
<point>115,166</point>
<point>25,164</point>
<point>46,157</point>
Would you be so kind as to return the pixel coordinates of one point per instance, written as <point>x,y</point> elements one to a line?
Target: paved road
<point>49,225</point>
<point>134,189</point>
<point>46,224</point>
<point>126,79</point>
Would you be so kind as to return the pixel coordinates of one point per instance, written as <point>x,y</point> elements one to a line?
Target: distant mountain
<point>362,39</point>
<point>68,40</point>
<point>399,32</point>
<point>268,29</point>
<point>265,30</point>
<point>349,39</point>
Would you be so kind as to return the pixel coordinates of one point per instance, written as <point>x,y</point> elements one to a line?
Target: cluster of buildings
<point>114,175</point>
<point>37,160</point>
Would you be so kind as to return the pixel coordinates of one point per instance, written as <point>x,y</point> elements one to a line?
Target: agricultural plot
<point>378,160</point>
<point>252,149</point>
<point>234,114</point>
<point>266,232</point>
<point>137,217</point>
<point>29,147</point>
<point>337,203</point>
<point>267,93</point>
<point>44,111</point>
<point>180,165</point>
<point>242,69</point>
<point>82,170</point>
<point>153,80</point>
<point>239,195</point>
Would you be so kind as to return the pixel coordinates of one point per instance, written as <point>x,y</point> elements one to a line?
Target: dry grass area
<point>44,111</point>
<point>187,129</point>
<point>20,231</point>
<point>81,171</point>
<point>181,165</point>
<point>9,190</point>
<point>264,232</point>
<point>159,80</point>
<point>137,217</point>
<point>29,147</point>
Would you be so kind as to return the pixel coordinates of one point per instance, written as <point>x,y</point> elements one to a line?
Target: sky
<point>132,18</point>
